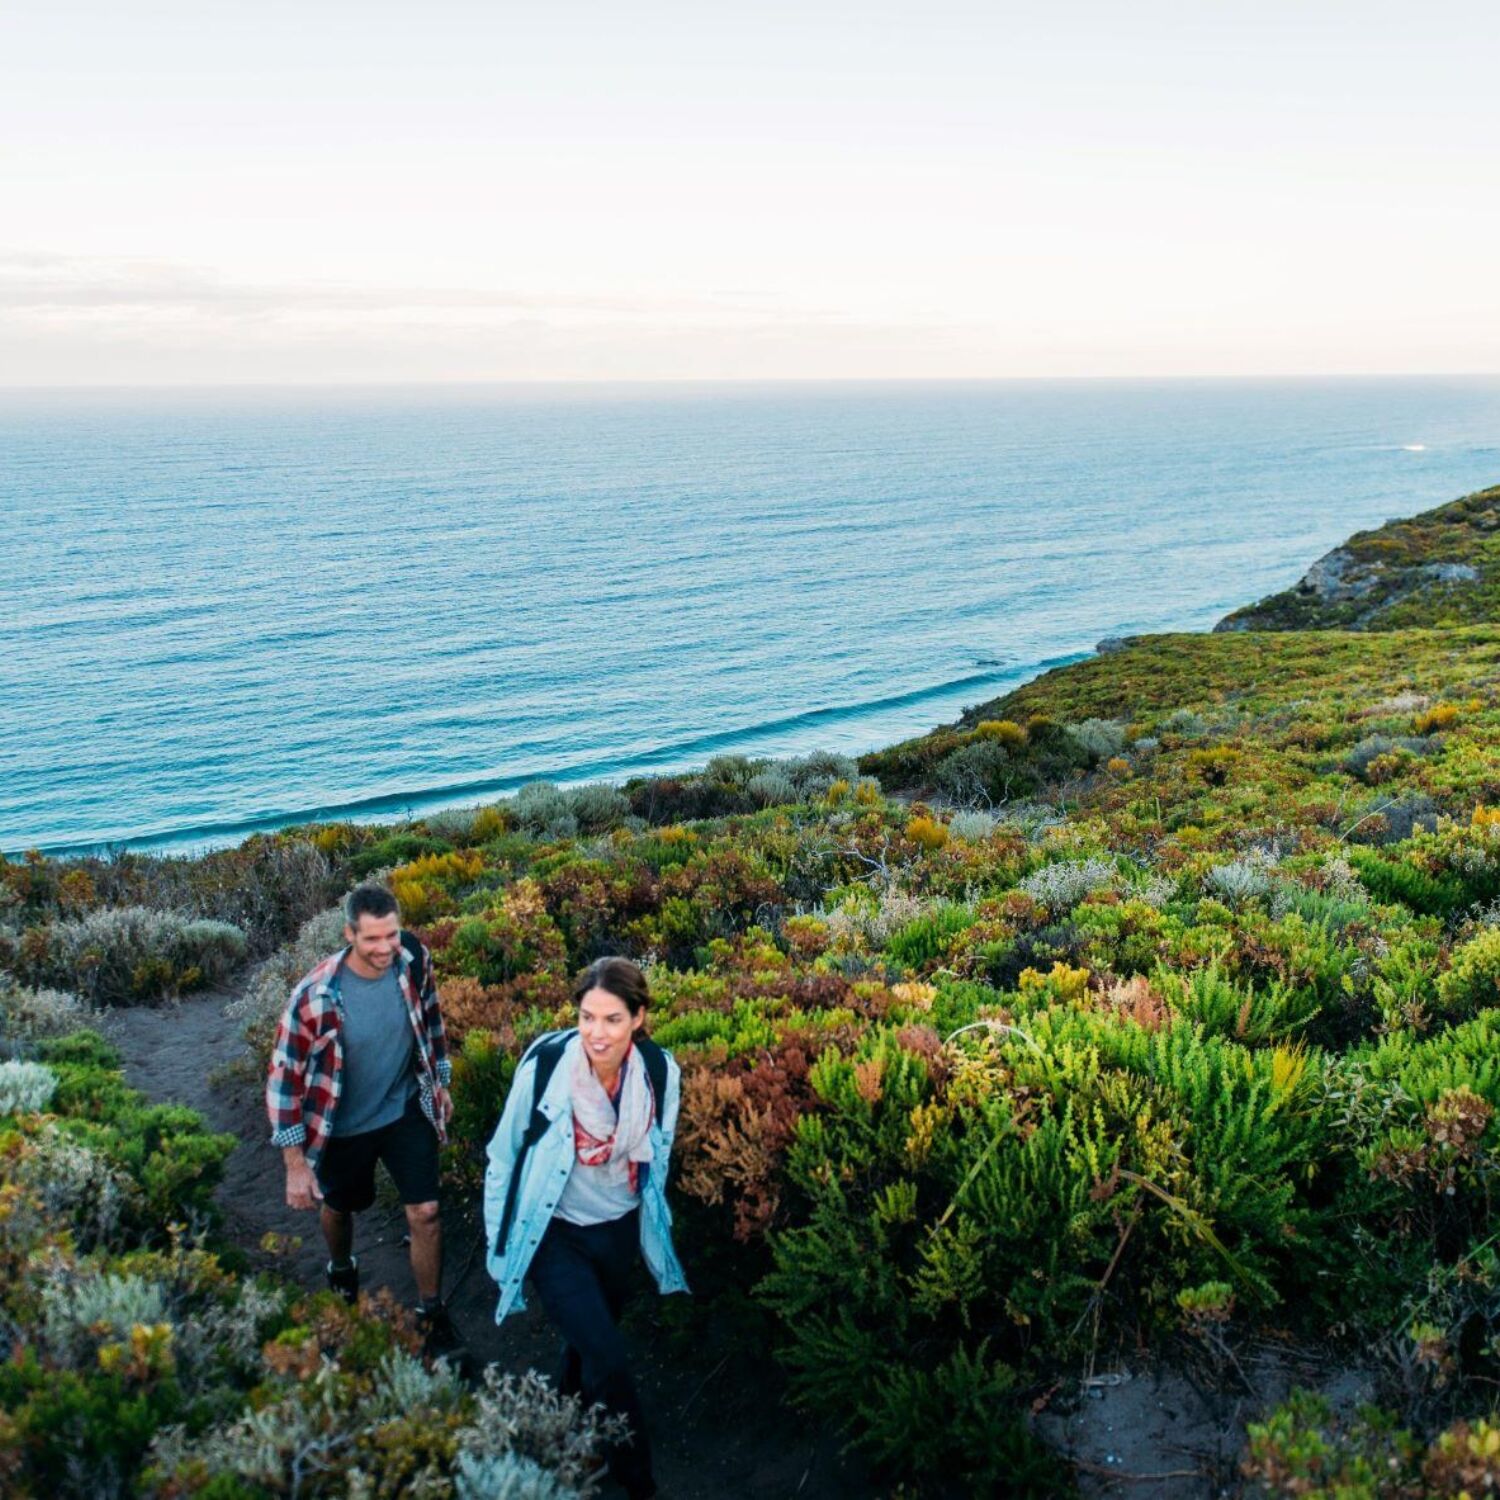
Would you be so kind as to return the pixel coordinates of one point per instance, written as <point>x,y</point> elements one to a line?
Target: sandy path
<point>716,1433</point>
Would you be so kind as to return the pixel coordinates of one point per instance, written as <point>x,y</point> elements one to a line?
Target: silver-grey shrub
<point>27,1014</point>
<point>1062,886</point>
<point>125,954</point>
<point>1238,882</point>
<point>545,812</point>
<point>813,774</point>
<point>1100,738</point>
<point>506,1476</point>
<point>598,807</point>
<point>523,1415</point>
<point>771,789</point>
<point>735,770</point>
<point>973,827</point>
<point>1184,722</point>
<point>26,1088</point>
<point>1030,819</point>
<point>517,1434</point>
<point>76,1186</point>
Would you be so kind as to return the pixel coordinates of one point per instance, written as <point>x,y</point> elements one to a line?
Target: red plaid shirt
<point>306,1073</point>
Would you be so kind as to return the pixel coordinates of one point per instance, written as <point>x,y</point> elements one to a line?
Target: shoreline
<point>680,758</point>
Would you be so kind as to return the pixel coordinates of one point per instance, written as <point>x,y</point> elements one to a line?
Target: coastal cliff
<point>1438,568</point>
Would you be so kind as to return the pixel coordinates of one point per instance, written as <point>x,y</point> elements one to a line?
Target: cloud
<point>35,284</point>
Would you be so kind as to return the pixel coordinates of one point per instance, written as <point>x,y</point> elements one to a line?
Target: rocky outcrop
<point>1425,570</point>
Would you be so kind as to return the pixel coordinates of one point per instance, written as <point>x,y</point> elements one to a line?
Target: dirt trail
<point>716,1432</point>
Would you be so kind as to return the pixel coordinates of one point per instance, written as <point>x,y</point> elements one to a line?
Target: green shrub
<point>1472,982</point>
<point>1301,1448</point>
<point>397,849</point>
<point>1394,880</point>
<point>924,940</point>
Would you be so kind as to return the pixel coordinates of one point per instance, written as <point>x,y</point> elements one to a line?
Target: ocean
<point>231,610</point>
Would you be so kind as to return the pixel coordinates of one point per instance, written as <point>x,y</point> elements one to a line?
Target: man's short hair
<point>368,900</point>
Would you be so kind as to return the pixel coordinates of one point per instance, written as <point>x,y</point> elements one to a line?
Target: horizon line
<point>567,381</point>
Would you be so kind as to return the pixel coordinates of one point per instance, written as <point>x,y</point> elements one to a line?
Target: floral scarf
<point>601,1138</point>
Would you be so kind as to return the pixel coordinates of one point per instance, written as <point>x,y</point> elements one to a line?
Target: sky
<point>324,191</point>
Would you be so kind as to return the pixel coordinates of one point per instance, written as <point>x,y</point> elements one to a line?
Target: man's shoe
<point>440,1338</point>
<point>345,1280</point>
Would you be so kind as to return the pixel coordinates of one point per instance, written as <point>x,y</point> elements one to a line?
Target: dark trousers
<point>582,1274</point>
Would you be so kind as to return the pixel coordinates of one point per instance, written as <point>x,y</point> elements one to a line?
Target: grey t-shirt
<point>378,1078</point>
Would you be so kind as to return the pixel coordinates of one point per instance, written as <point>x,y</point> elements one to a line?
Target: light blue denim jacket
<point>545,1173</point>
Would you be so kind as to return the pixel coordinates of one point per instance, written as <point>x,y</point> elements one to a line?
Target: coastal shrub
<point>1061,886</point>
<point>129,955</point>
<point>924,940</point>
<point>1472,982</point>
<point>27,1014</point>
<point>1099,738</point>
<point>926,832</point>
<point>265,887</point>
<point>1439,717</point>
<point>972,827</point>
<point>770,789</point>
<point>73,1185</point>
<point>1279,1012</point>
<point>1393,820</point>
<point>395,849</point>
<point>513,945</point>
<point>598,807</point>
<point>730,770</point>
<point>1185,723</point>
<point>1391,879</point>
<point>545,812</point>
<point>1238,882</point>
<point>400,1428</point>
<point>428,886</point>
<point>1377,751</point>
<point>813,775</point>
<point>1302,1448</point>
<point>983,772</point>
<point>1006,731</point>
<point>25,1087</point>
<point>163,1148</point>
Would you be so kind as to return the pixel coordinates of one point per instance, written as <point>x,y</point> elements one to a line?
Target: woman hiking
<point>576,1187</point>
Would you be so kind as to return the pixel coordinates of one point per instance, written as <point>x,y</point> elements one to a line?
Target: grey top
<point>588,1199</point>
<point>379,1047</point>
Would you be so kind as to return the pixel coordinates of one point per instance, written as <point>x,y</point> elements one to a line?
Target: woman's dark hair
<point>368,901</point>
<point>620,977</point>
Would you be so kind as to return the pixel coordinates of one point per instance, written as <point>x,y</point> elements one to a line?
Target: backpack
<point>546,1050</point>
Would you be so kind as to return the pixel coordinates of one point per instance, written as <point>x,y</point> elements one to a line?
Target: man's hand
<point>442,1102</point>
<point>302,1190</point>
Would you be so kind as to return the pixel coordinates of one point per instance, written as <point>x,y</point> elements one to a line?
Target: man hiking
<point>359,1074</point>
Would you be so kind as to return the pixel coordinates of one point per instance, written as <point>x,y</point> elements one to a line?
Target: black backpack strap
<point>655,1060</point>
<point>418,965</point>
<point>545,1051</point>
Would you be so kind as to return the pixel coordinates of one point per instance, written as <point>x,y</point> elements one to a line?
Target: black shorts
<point>409,1149</point>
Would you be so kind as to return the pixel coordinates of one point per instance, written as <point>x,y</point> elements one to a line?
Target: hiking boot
<point>440,1338</point>
<point>345,1280</point>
